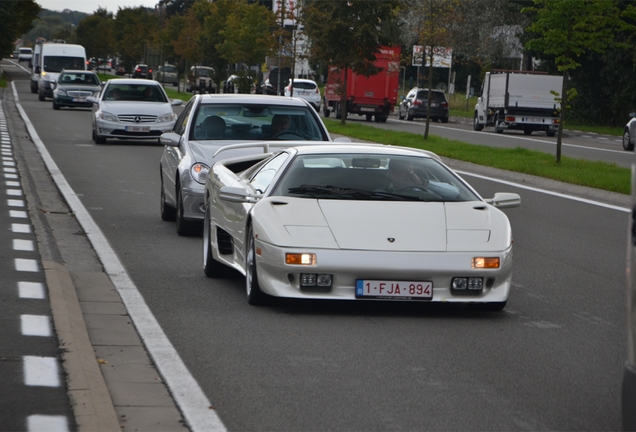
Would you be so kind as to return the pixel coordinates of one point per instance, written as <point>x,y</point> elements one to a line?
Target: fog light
<point>459,283</point>
<point>323,280</point>
<point>467,283</point>
<point>307,279</point>
<point>475,284</point>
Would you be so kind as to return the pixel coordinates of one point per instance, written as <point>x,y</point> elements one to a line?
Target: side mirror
<point>504,200</point>
<point>92,99</point>
<point>237,194</point>
<point>53,84</point>
<point>176,102</point>
<point>170,139</point>
<point>38,70</point>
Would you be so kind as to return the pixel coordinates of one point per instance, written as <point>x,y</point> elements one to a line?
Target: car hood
<point>382,225</point>
<point>70,87</point>
<point>132,107</point>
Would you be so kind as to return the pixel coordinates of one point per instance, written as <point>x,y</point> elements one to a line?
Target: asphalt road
<point>552,360</point>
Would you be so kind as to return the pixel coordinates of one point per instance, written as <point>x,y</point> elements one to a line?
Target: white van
<point>54,58</point>
<point>34,62</point>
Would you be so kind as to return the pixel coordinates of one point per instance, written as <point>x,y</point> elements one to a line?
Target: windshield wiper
<point>344,192</point>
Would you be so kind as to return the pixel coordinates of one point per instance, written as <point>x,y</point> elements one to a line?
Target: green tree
<point>247,39</point>
<point>434,21</point>
<point>95,34</point>
<point>346,34</point>
<point>134,31</point>
<point>567,30</point>
<point>17,18</point>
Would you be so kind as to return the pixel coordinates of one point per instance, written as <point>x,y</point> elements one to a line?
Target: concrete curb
<point>87,389</point>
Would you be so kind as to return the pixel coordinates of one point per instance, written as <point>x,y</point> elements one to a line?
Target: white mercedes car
<point>132,109</point>
<point>356,222</point>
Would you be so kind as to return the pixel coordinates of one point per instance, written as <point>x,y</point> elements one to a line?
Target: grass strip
<point>595,174</point>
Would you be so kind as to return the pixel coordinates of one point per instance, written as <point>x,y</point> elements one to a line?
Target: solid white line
<point>547,192</point>
<point>522,138</point>
<point>31,290</point>
<point>47,423</point>
<point>26,265</point>
<point>35,325</point>
<point>41,371</point>
<point>23,245</point>
<point>193,403</point>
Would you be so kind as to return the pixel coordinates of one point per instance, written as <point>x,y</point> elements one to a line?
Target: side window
<point>260,182</point>
<point>182,121</point>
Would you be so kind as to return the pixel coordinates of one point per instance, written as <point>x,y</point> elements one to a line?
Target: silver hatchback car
<point>211,121</point>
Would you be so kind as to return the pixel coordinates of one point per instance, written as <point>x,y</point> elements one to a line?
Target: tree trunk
<point>564,89</point>
<point>343,98</point>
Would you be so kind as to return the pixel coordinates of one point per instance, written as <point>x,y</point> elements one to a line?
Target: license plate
<point>138,128</point>
<point>367,109</point>
<point>400,290</point>
<point>79,99</point>
<point>531,119</point>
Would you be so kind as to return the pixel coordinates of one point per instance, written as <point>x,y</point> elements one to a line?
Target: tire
<point>98,139</point>
<point>497,129</point>
<point>34,87</point>
<point>476,125</point>
<point>55,106</point>
<point>41,97</point>
<point>409,116</point>
<point>184,227</point>
<point>369,117</point>
<point>529,132</point>
<point>551,134</point>
<point>255,296</point>
<point>168,213</point>
<point>211,267</point>
<point>444,119</point>
<point>400,116</point>
<point>627,144</point>
<point>325,110</point>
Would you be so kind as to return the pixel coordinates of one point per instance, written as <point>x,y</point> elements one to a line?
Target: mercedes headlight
<point>199,172</point>
<point>107,116</point>
<point>166,118</point>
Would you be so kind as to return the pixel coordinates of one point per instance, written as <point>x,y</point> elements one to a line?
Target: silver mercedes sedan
<point>211,121</point>
<point>132,109</point>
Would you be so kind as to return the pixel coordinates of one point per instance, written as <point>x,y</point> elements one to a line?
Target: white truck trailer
<point>519,100</point>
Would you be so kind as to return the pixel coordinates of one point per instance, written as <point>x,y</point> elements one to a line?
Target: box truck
<point>519,100</point>
<point>374,96</point>
<point>54,58</point>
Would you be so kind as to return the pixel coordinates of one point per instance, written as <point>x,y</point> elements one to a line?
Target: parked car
<point>25,54</point>
<point>414,105</point>
<point>629,133</point>
<point>73,87</point>
<point>201,78</point>
<point>329,222</point>
<point>142,71</point>
<point>167,74</point>
<point>209,122</point>
<point>120,70</point>
<point>132,109</point>
<point>305,89</point>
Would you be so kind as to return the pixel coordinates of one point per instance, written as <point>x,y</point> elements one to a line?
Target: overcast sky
<point>90,6</point>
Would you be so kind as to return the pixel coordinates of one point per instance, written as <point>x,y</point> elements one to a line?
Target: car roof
<point>306,148</point>
<point>330,147</point>
<point>304,80</point>
<point>78,71</point>
<point>137,81</point>
<point>250,98</point>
